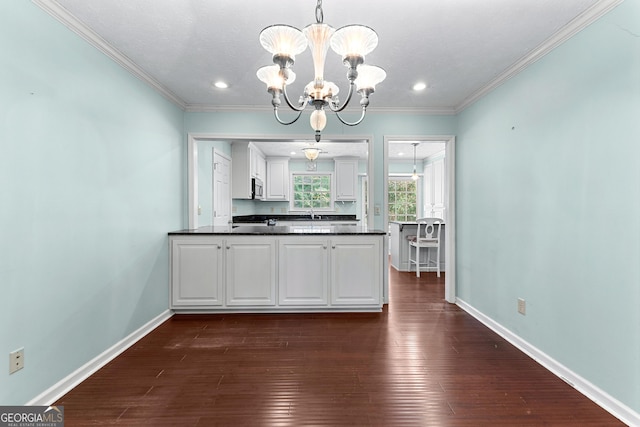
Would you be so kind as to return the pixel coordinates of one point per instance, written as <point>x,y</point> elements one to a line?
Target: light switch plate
<point>522,306</point>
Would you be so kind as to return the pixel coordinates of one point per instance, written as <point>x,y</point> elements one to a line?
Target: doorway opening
<point>393,144</point>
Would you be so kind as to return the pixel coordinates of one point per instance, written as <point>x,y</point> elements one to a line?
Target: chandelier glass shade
<point>351,42</point>
<point>311,153</point>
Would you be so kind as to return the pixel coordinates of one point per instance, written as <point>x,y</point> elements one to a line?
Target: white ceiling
<point>459,48</point>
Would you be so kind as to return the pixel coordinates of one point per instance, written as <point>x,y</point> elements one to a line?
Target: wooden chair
<point>429,235</point>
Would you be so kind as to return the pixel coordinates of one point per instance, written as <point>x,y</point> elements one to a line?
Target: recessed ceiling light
<point>400,154</point>
<point>221,85</point>
<point>293,153</point>
<point>419,86</point>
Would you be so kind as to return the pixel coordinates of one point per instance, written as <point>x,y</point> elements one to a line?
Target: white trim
<point>55,392</point>
<point>600,397</point>
<point>192,181</point>
<point>565,33</point>
<point>450,202</point>
<point>68,20</point>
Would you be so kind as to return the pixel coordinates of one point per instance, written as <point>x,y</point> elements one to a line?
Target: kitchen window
<point>311,191</point>
<point>402,199</point>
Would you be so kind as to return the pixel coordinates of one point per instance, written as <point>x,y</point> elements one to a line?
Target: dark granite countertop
<point>292,217</point>
<point>279,230</point>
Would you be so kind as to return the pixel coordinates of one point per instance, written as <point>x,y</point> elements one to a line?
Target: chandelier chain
<point>319,13</point>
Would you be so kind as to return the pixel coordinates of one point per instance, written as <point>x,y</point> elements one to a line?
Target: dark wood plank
<point>421,362</point>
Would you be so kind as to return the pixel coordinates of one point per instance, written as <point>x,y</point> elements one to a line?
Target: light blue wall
<point>375,124</point>
<point>92,172</point>
<point>548,204</point>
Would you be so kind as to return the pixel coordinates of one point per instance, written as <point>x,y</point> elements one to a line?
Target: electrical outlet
<point>522,306</point>
<point>16,360</point>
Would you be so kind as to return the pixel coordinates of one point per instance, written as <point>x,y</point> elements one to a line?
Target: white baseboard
<point>55,392</point>
<point>607,402</point>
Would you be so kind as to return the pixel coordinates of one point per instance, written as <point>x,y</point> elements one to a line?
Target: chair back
<point>429,229</point>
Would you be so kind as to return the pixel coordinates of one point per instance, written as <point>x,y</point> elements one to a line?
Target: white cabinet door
<point>277,178</point>
<point>427,191</point>
<point>438,188</point>
<point>196,272</point>
<point>258,166</point>
<point>303,271</point>
<point>434,189</point>
<point>346,171</point>
<point>356,271</point>
<point>251,271</point>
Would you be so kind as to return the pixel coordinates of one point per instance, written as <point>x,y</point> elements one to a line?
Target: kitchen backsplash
<point>252,207</point>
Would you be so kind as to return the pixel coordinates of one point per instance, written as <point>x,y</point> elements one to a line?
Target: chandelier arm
<point>364,111</point>
<point>300,107</point>
<point>275,113</point>
<point>349,95</point>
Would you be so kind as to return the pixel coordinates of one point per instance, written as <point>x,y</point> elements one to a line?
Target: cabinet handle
<point>228,247</point>
<point>333,246</point>
<point>324,246</point>
<point>219,247</point>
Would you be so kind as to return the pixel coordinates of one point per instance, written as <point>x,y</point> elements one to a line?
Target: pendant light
<point>414,176</point>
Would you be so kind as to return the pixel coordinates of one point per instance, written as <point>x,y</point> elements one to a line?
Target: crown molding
<point>54,9</point>
<point>565,33</point>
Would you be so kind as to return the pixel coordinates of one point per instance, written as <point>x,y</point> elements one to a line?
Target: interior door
<point>221,189</point>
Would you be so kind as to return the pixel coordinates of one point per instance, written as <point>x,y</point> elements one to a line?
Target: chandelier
<point>351,42</point>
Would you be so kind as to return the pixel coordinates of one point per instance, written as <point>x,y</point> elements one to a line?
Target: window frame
<point>332,185</point>
<point>417,198</point>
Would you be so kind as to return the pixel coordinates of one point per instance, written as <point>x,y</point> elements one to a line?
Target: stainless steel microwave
<point>257,189</point>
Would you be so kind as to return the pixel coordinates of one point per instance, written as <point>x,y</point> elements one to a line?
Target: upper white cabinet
<point>247,162</point>
<point>258,166</point>
<point>277,178</point>
<point>434,189</point>
<point>346,172</point>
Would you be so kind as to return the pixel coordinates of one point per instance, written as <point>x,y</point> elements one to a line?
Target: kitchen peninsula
<point>314,267</point>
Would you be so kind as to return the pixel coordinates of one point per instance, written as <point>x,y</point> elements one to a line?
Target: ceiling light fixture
<point>351,42</point>
<point>414,175</point>
<point>419,86</point>
<point>311,153</point>
<point>221,85</point>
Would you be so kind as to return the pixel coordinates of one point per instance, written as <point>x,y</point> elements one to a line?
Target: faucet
<point>311,213</point>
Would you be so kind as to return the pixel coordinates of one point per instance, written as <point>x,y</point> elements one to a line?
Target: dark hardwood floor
<point>421,362</point>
